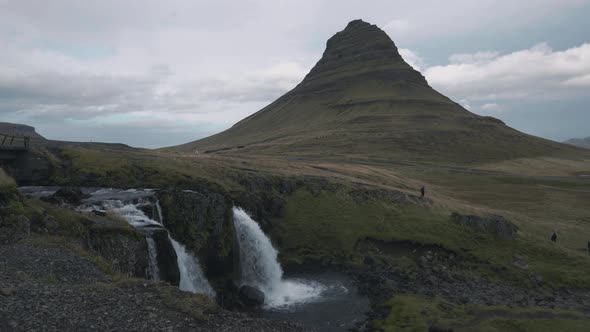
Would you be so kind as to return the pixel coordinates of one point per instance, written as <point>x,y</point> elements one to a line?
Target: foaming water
<point>192,278</point>
<point>260,268</point>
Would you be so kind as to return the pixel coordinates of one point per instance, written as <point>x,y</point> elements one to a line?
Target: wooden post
<point>4,139</point>
<point>27,139</point>
<point>11,140</point>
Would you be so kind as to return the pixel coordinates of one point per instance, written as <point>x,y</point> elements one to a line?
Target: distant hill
<point>16,129</point>
<point>362,100</point>
<point>581,142</point>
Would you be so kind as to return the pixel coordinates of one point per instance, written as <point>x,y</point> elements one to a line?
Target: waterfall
<point>192,278</point>
<point>154,271</point>
<point>258,258</point>
<point>260,268</point>
<point>159,209</point>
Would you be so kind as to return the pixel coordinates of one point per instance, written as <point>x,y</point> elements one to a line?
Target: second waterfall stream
<point>126,204</point>
<point>260,268</point>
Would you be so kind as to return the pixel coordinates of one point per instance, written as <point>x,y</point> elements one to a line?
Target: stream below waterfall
<point>324,301</point>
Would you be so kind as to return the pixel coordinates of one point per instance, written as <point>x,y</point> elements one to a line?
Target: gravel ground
<point>54,289</point>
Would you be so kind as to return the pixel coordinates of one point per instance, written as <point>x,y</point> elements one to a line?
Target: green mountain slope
<point>362,100</point>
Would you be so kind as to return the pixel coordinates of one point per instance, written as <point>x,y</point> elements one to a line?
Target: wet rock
<point>251,296</point>
<point>99,213</point>
<point>67,195</point>
<point>494,224</point>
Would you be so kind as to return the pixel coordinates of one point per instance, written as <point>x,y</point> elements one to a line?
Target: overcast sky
<point>159,73</point>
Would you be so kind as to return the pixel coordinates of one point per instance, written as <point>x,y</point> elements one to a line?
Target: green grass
<point>69,223</point>
<point>132,168</point>
<point>417,313</point>
<point>327,228</point>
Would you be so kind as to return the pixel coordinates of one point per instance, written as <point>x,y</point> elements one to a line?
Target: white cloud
<point>412,58</point>
<point>491,107</point>
<point>531,74</point>
<point>473,58</point>
<point>397,27</point>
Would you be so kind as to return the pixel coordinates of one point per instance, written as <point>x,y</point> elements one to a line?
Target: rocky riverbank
<point>45,287</point>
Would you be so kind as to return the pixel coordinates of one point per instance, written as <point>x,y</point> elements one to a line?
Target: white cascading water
<point>154,271</point>
<point>259,267</point>
<point>192,278</point>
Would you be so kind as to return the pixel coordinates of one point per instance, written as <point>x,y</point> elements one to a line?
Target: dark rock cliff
<point>167,259</point>
<point>202,221</point>
<point>124,251</point>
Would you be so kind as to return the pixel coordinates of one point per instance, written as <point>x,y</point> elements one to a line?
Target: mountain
<point>362,100</point>
<point>16,129</point>
<point>581,142</point>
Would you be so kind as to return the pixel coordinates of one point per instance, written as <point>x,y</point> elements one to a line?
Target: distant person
<point>422,192</point>
<point>554,237</point>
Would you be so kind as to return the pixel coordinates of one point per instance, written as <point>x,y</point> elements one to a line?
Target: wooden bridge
<point>13,148</point>
<point>14,143</point>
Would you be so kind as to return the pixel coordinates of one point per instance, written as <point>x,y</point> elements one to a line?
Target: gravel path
<point>54,289</point>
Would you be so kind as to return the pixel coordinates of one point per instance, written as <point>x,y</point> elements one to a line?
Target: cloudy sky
<point>158,73</point>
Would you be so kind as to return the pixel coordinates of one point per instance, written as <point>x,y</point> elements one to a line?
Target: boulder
<point>493,224</point>
<point>251,296</point>
<point>67,195</point>
<point>7,291</point>
<point>14,228</point>
<point>519,262</point>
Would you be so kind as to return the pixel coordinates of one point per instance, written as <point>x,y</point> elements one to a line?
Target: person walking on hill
<point>554,237</point>
<point>422,192</point>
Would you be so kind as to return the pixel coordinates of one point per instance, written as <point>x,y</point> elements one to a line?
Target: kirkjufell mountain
<point>362,100</point>
<point>581,142</point>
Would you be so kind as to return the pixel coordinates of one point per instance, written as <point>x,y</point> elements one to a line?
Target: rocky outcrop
<point>202,221</point>
<point>167,259</point>
<point>14,228</point>
<point>125,250</point>
<point>493,224</point>
<point>67,195</point>
<point>365,51</point>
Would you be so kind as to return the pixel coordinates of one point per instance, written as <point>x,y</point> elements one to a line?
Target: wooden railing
<point>12,142</point>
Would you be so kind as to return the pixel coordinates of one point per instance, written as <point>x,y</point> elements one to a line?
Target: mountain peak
<point>362,100</point>
<point>359,36</point>
<point>360,50</point>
